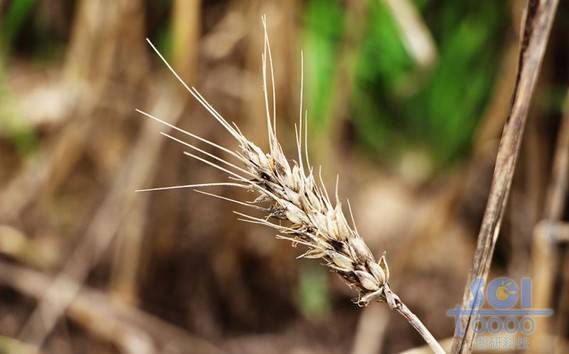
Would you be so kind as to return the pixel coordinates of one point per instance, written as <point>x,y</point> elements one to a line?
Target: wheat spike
<point>292,201</point>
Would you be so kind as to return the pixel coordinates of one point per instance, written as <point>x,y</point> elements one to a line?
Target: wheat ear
<point>292,201</point>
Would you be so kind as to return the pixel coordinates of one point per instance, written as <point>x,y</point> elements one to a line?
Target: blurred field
<point>406,101</point>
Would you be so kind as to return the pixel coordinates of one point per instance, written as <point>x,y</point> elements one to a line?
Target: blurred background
<point>406,101</point>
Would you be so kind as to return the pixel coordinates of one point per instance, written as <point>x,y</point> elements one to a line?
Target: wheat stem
<point>421,329</point>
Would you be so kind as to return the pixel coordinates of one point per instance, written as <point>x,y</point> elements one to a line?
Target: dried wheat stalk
<point>293,202</point>
<point>539,16</point>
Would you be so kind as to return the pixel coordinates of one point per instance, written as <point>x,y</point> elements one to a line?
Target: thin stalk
<point>420,327</point>
<point>538,20</point>
<point>395,303</point>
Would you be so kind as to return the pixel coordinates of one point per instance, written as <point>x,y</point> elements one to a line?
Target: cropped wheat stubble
<point>293,201</point>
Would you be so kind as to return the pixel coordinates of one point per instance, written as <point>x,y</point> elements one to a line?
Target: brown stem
<point>548,236</point>
<point>396,304</point>
<point>420,327</point>
<point>538,20</point>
